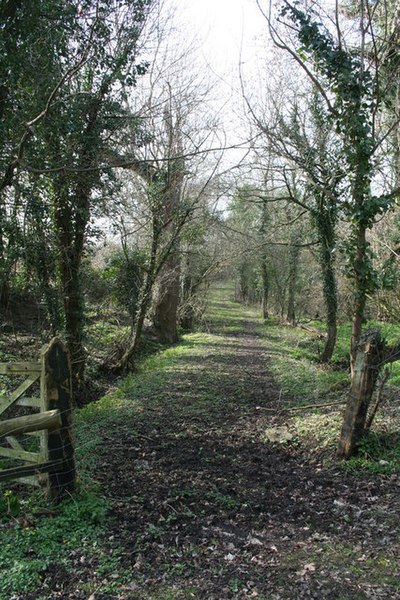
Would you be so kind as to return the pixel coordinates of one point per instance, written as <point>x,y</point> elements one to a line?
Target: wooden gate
<point>36,447</point>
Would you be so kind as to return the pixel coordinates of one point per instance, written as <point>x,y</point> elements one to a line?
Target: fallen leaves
<point>211,507</point>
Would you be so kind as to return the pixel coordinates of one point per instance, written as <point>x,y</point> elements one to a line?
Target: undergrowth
<point>33,545</point>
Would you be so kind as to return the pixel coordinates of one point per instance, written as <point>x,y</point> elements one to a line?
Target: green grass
<point>352,566</point>
<point>293,359</point>
<point>142,391</point>
<point>104,340</point>
<point>378,452</point>
<point>294,363</point>
<point>101,334</point>
<point>294,353</point>
<point>228,314</point>
<point>390,333</point>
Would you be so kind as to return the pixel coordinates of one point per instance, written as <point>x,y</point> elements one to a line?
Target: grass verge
<point>293,358</point>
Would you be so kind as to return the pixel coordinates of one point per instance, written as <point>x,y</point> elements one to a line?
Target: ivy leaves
<point>350,82</point>
<point>347,80</point>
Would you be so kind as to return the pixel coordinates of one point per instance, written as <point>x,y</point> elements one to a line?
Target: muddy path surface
<point>205,507</point>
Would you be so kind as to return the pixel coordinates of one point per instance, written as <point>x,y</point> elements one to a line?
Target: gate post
<point>56,393</point>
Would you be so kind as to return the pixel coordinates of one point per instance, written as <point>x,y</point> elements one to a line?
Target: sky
<point>229,34</point>
<point>228,29</point>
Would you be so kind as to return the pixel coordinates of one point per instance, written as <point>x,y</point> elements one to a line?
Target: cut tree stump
<point>369,360</point>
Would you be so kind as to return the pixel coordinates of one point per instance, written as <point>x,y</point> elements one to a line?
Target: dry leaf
<point>309,568</point>
<point>278,435</point>
<point>229,557</point>
<point>255,541</point>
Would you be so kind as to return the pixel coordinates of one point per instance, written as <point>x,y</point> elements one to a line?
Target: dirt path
<point>205,508</point>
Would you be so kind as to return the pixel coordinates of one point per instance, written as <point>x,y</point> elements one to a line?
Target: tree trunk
<point>280,292</point>
<point>294,252</point>
<point>167,299</point>
<point>43,264</point>
<point>9,252</point>
<point>74,321</point>
<point>72,214</point>
<point>129,356</point>
<point>243,283</point>
<point>144,304</point>
<point>4,272</point>
<point>329,287</point>
<point>330,341</point>
<point>145,298</point>
<point>397,136</point>
<point>265,287</point>
<point>71,224</point>
<point>186,303</point>
<point>369,358</point>
<point>265,280</point>
<point>361,273</point>
<point>4,292</point>
<point>166,302</point>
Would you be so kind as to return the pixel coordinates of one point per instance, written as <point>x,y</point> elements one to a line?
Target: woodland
<point>222,265</point>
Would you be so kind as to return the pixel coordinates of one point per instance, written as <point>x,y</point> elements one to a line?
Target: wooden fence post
<point>56,394</point>
<point>369,360</point>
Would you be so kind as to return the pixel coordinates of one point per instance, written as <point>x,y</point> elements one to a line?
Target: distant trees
<point>203,259</point>
<point>333,129</point>
<point>266,236</point>
<point>160,191</point>
<point>304,144</point>
<point>291,124</point>
<point>123,275</point>
<point>243,226</point>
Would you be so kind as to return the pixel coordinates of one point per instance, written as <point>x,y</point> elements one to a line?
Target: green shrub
<point>124,273</point>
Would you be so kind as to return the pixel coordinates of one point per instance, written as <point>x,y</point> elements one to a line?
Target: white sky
<point>227,30</point>
<point>227,33</point>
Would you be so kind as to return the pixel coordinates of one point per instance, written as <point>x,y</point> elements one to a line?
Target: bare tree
<point>178,141</point>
